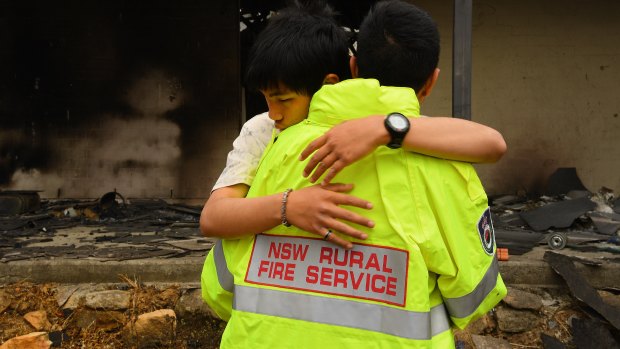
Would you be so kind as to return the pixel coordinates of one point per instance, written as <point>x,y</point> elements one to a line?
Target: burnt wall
<point>143,97</point>
<point>137,96</point>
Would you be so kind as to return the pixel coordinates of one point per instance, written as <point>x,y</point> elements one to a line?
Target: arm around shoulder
<point>455,139</point>
<point>443,137</point>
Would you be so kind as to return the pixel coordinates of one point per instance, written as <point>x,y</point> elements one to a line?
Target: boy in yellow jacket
<point>432,249</point>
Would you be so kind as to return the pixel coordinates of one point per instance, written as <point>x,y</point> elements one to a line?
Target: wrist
<point>283,207</point>
<point>397,125</point>
<point>382,136</point>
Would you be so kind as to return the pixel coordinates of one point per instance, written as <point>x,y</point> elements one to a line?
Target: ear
<point>331,79</point>
<point>425,91</point>
<point>353,67</point>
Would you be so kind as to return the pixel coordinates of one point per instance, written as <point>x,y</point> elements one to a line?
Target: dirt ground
<point>202,331</point>
<point>197,331</point>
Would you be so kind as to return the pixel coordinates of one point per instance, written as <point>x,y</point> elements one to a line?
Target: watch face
<point>398,123</point>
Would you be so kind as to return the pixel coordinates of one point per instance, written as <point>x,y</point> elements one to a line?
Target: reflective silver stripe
<point>341,312</point>
<point>465,305</point>
<point>224,276</point>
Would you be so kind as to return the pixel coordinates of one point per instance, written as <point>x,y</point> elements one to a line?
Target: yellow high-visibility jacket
<point>428,262</point>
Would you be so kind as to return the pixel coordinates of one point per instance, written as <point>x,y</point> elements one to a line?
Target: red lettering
<point>391,286</point>
<point>345,256</point>
<point>326,255</point>
<point>277,270</point>
<point>365,273</point>
<point>348,279</point>
<point>357,258</point>
<point>340,277</point>
<point>286,250</point>
<point>326,276</point>
<point>373,262</point>
<point>375,288</point>
<point>300,252</point>
<point>312,274</point>
<point>356,283</point>
<point>275,250</point>
<point>263,267</point>
<point>385,267</point>
<point>289,272</point>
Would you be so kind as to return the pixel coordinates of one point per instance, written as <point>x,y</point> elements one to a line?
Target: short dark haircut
<point>398,44</point>
<point>301,44</point>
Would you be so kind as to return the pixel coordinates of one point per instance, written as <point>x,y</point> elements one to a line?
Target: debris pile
<point>134,315</point>
<point>110,228</point>
<point>567,216</point>
<point>541,318</point>
<point>578,315</point>
<point>124,315</point>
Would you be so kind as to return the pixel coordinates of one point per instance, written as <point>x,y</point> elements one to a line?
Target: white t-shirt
<point>247,151</point>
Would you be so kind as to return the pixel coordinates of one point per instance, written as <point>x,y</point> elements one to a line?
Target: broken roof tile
<point>581,289</point>
<point>560,214</point>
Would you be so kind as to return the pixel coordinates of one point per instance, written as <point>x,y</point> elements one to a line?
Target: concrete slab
<point>69,271</point>
<point>527,269</point>
<point>531,269</point>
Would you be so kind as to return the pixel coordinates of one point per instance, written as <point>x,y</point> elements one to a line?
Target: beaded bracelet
<point>283,208</point>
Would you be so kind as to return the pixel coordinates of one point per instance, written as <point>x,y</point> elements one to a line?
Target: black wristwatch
<point>397,126</point>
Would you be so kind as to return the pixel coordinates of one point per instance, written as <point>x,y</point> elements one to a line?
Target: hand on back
<point>317,209</point>
<point>341,146</point>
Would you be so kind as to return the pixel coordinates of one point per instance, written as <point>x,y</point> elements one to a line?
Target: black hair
<point>398,44</point>
<point>301,44</point>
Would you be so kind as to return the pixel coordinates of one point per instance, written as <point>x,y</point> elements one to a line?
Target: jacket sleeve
<point>464,256</point>
<point>216,282</point>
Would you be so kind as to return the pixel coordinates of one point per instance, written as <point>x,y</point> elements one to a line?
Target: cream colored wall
<point>546,74</point>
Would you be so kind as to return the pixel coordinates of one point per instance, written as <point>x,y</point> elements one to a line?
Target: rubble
<point>591,333</point>
<point>114,228</point>
<point>34,340</point>
<point>192,304</point>
<point>515,320</point>
<point>520,322</point>
<point>111,228</point>
<point>38,320</point>
<point>580,288</point>
<point>486,342</point>
<point>569,216</point>
<point>168,316</point>
<point>18,201</point>
<point>154,329</point>
<point>103,320</point>
<point>549,342</point>
<point>177,318</point>
<point>108,300</point>
<point>519,299</point>
<point>559,214</point>
<point>5,301</point>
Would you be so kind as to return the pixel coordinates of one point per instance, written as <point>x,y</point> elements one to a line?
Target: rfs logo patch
<point>486,232</point>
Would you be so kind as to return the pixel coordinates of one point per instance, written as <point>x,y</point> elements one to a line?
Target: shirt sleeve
<point>248,148</point>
